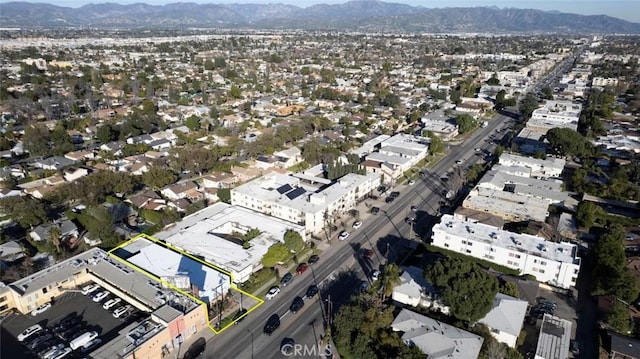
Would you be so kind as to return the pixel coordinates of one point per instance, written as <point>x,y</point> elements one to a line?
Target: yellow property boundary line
<point>169,285</point>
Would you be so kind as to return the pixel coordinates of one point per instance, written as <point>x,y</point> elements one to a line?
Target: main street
<point>341,267</point>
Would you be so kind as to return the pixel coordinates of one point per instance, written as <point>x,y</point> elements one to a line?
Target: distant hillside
<point>363,15</point>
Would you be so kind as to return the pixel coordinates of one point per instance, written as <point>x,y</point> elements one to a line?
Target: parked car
<point>41,309</point>
<point>29,332</point>
<point>311,291</point>
<point>458,162</point>
<point>364,285</point>
<point>375,274</point>
<point>389,199</point>
<point>313,259</point>
<point>412,182</point>
<point>414,208</point>
<point>286,279</point>
<point>62,353</point>
<point>343,235</point>
<point>394,194</point>
<point>90,289</point>
<point>100,296</point>
<point>240,315</point>
<point>287,346</point>
<point>356,225</point>
<point>111,302</point>
<point>91,345</point>
<point>375,210</point>
<point>272,324</point>
<point>120,311</point>
<point>296,305</point>
<point>302,267</point>
<point>50,350</point>
<point>39,340</point>
<point>272,292</point>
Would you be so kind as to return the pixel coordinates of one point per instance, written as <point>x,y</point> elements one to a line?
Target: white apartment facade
<point>289,198</point>
<point>554,263</point>
<point>541,168</point>
<point>564,114</point>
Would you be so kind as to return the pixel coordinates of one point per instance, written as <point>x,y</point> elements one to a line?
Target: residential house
<point>289,157</point>
<point>245,174</point>
<point>73,173</point>
<point>10,252</point>
<point>139,168</point>
<point>149,200</point>
<point>414,290</point>
<point>80,155</point>
<point>68,231</point>
<point>188,190</point>
<point>435,338</point>
<point>506,318</point>
<point>219,180</point>
<point>623,347</point>
<point>53,163</point>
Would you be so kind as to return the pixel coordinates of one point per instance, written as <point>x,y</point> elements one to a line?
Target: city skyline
<point>623,9</point>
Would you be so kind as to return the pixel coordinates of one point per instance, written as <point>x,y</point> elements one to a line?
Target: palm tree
<point>390,278</point>
<point>54,235</point>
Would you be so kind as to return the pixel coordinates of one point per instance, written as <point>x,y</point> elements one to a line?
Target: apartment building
<point>564,114</point>
<point>549,167</point>
<point>396,155</point>
<point>509,206</point>
<point>170,317</point>
<point>301,201</point>
<point>212,234</point>
<point>555,263</point>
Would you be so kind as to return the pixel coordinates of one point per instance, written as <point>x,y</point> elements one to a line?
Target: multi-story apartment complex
<point>507,205</point>
<point>170,317</point>
<point>563,114</point>
<point>549,167</point>
<point>298,200</point>
<point>555,263</point>
<point>210,233</point>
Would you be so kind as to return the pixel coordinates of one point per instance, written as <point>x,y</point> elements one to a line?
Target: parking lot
<point>91,317</point>
<point>564,308</point>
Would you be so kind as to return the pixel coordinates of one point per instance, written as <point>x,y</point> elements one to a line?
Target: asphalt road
<point>341,267</point>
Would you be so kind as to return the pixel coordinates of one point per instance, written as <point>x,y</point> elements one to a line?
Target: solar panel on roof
<point>284,188</point>
<point>296,193</point>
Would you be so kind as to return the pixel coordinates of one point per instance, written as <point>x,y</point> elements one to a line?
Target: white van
<point>83,340</point>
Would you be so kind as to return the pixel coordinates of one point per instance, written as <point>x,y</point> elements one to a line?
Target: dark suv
<point>286,279</point>
<point>273,323</point>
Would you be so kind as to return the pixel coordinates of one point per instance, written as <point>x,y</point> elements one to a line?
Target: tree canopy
<point>565,141</point>
<point>610,274</point>
<point>293,241</point>
<point>464,286</point>
<point>466,123</point>
<point>275,255</point>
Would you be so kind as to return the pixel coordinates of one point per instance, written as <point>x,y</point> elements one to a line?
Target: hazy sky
<point>623,9</point>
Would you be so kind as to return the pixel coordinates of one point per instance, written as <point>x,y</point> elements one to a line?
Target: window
<point>575,271</point>
<point>541,271</point>
<point>446,245</point>
<point>3,307</point>
<point>470,244</point>
<point>573,279</point>
<point>535,261</point>
<point>543,263</point>
<point>468,251</point>
<point>3,299</point>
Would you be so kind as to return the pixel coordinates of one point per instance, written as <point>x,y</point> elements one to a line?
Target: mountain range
<point>360,15</point>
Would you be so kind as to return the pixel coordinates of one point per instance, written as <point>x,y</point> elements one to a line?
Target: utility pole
<point>329,305</point>
<point>388,253</point>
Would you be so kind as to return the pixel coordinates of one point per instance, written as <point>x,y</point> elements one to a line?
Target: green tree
<point>619,318</point>
<point>54,235</point>
<point>565,141</point>
<point>466,123</point>
<point>293,241</point>
<point>527,105</point>
<point>510,289</point>
<point>587,214</point>
<point>106,133</point>
<point>464,286</point>
<point>26,211</point>
<point>61,140</point>
<point>157,177</point>
<point>276,254</point>
<point>547,93</point>
<point>235,92</point>
<point>36,140</point>
<point>435,144</point>
<point>224,195</point>
<point>610,275</point>
<point>390,279</point>
<point>193,122</point>
<point>493,81</point>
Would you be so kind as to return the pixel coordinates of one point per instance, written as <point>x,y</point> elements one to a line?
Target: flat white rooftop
<point>287,191</point>
<point>164,262</point>
<point>202,233</point>
<point>534,245</point>
<point>554,339</point>
<point>509,159</point>
<point>558,108</point>
<point>507,203</point>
